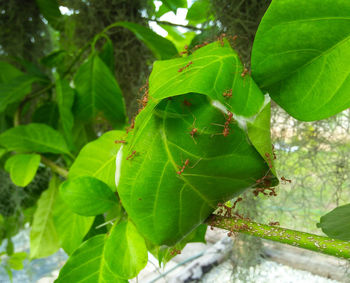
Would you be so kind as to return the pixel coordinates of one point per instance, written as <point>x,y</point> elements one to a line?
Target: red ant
<point>221,39</point>
<point>274,153</point>
<point>245,71</point>
<point>227,93</point>
<point>187,161</point>
<point>285,181</point>
<point>187,103</point>
<point>132,155</point>
<point>175,252</point>
<point>194,131</point>
<point>183,68</point>
<point>186,50</point>
<point>274,223</point>
<point>263,191</point>
<point>269,161</point>
<point>120,141</point>
<point>132,125</point>
<point>235,203</point>
<point>200,45</point>
<point>229,119</point>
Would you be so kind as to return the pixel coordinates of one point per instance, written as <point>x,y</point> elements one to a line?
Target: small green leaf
<point>71,227</point>
<point>33,137</point>
<point>54,59</point>
<point>173,5</point>
<point>43,237</point>
<point>97,159</point>
<point>199,12</point>
<point>87,196</point>
<point>65,99</point>
<point>98,91</point>
<point>336,224</point>
<point>86,264</point>
<point>125,251</point>
<point>16,260</point>
<point>160,47</point>
<point>301,56</point>
<point>51,12</point>
<point>15,89</point>
<point>47,114</point>
<point>22,168</point>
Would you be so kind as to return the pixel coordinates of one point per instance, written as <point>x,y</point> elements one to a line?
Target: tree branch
<point>172,24</point>
<point>322,244</point>
<point>54,167</point>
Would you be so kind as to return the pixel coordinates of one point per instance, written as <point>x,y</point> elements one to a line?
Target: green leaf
<point>16,260</point>
<point>87,196</point>
<point>43,237</point>
<point>336,224</point>
<point>161,48</point>
<point>47,114</point>
<point>33,137</point>
<point>301,56</point>
<point>22,168</point>
<point>98,159</point>
<point>51,12</point>
<point>163,9</point>
<point>65,99</point>
<point>8,72</point>
<point>15,89</point>
<point>214,70</point>
<point>2,152</point>
<point>86,264</point>
<point>54,59</point>
<point>125,253</point>
<point>98,91</point>
<point>172,178</point>
<point>199,12</point>
<point>71,227</point>
<point>173,5</point>
<point>107,54</point>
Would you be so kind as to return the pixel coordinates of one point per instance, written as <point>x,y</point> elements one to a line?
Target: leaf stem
<point>172,24</point>
<point>322,244</point>
<point>54,167</point>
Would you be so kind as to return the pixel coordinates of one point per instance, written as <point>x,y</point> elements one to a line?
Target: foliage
<point>200,138</point>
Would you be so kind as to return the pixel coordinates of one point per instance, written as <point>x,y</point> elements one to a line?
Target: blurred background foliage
<point>314,156</point>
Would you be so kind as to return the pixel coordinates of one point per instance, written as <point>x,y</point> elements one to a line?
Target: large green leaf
<point>65,99</point>
<point>33,137</point>
<point>171,177</point>
<point>98,159</point>
<point>43,237</point>
<point>336,224</point>
<point>301,56</point>
<point>125,251</point>
<point>22,168</point>
<point>161,48</point>
<point>98,91</point>
<point>86,264</point>
<point>51,12</point>
<point>15,89</point>
<point>71,227</point>
<point>88,196</point>
<point>8,72</point>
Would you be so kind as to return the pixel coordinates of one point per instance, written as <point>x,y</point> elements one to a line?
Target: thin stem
<point>54,167</point>
<point>326,245</point>
<point>172,24</point>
